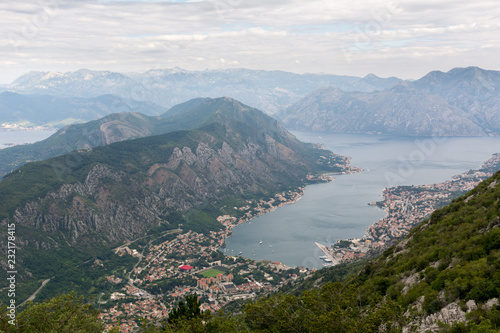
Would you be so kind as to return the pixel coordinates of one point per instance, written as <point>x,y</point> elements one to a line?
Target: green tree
<point>64,313</point>
<point>186,311</point>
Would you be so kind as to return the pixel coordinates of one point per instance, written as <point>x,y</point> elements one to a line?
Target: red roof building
<point>186,268</point>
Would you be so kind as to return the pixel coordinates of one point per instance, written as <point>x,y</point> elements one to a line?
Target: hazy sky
<point>405,38</point>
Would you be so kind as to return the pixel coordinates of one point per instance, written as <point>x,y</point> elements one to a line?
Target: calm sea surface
<point>339,210</point>
<point>21,137</point>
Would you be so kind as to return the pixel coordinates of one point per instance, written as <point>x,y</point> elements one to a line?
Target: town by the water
<point>187,262</point>
<point>406,206</point>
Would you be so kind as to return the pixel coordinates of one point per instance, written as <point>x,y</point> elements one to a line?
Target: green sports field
<point>211,272</point>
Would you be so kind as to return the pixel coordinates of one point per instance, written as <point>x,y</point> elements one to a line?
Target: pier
<point>327,253</point>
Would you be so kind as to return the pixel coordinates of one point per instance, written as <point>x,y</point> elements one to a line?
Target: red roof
<point>186,267</point>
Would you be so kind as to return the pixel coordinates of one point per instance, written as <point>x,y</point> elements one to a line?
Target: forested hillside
<point>76,207</point>
<point>444,277</point>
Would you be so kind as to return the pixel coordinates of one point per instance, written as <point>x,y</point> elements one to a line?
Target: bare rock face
<point>450,314</point>
<point>471,305</point>
<point>111,205</point>
<point>491,303</point>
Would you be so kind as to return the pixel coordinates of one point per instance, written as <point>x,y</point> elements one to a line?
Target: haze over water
<point>339,210</point>
<point>8,138</point>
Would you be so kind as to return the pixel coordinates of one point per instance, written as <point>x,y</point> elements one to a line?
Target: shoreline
<point>231,222</point>
<point>406,207</point>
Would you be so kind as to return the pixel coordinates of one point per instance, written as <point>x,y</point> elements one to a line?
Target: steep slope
<point>183,107</point>
<point>109,129</point>
<point>387,112</point>
<point>445,276</point>
<point>70,207</point>
<point>45,110</point>
<point>462,102</point>
<point>112,128</point>
<point>472,89</point>
<point>268,90</point>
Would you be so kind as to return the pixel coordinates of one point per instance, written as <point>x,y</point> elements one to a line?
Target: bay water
<point>9,138</point>
<point>339,209</point>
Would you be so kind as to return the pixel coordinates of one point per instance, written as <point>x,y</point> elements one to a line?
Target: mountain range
<point>68,208</point>
<point>269,91</point>
<point>461,102</point>
<point>128,174</point>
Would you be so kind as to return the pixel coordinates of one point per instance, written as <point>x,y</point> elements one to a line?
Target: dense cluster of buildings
<point>126,315</point>
<point>178,260</point>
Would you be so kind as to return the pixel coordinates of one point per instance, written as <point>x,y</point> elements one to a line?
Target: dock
<point>327,253</point>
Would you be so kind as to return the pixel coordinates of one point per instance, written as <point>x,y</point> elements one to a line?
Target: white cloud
<point>387,37</point>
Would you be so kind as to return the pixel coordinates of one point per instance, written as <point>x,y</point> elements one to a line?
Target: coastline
<point>407,206</point>
<point>284,198</point>
<point>290,196</point>
<point>263,207</point>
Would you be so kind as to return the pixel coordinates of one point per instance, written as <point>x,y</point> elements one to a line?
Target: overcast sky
<point>405,38</point>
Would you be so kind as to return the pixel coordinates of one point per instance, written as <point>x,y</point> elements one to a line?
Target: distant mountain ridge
<point>270,91</point>
<point>461,102</point>
<point>112,128</point>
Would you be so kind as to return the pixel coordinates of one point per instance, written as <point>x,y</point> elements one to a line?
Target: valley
<point>90,203</point>
<point>138,212</point>
<point>227,166</point>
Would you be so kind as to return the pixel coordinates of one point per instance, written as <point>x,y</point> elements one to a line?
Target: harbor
<point>330,259</point>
